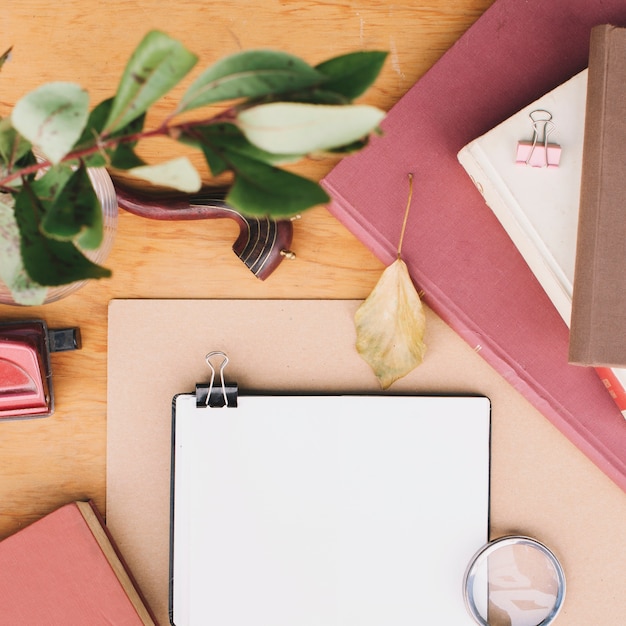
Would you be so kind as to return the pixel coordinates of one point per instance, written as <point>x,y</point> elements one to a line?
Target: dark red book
<point>471,273</point>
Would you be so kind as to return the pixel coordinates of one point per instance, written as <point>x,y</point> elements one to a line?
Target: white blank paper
<point>327,510</point>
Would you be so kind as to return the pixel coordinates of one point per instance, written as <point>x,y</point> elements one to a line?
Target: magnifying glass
<point>514,581</point>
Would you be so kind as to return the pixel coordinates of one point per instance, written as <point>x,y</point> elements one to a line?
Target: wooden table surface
<point>46,462</point>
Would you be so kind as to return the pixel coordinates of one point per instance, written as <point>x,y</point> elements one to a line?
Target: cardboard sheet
<point>541,485</point>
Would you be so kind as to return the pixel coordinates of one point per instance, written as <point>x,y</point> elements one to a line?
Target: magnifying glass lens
<point>514,581</point>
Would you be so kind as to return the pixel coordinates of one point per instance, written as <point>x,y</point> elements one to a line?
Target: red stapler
<point>25,373</point>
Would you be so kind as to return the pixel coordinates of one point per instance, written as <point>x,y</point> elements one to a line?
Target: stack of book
<point>471,273</point>
<point>538,205</point>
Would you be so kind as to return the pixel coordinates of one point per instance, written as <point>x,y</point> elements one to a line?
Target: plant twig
<point>102,143</point>
<point>406,214</point>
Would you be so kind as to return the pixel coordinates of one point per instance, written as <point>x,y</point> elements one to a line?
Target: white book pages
<point>537,206</point>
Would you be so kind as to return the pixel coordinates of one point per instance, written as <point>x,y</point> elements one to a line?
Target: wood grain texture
<point>47,462</point>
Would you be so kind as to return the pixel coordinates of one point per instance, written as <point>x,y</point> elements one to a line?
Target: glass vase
<point>103,186</point>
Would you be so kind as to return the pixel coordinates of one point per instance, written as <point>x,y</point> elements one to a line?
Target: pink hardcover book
<point>471,273</point>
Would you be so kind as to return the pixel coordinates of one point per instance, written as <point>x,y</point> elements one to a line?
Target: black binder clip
<point>215,395</point>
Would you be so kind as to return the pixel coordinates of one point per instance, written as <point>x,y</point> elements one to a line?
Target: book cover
<point>63,570</point>
<point>599,301</point>
<point>538,205</point>
<point>471,273</point>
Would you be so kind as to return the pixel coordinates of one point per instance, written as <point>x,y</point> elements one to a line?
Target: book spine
<point>582,298</point>
<point>599,296</point>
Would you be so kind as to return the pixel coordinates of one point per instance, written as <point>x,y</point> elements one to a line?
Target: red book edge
<point>138,601</point>
<point>614,387</point>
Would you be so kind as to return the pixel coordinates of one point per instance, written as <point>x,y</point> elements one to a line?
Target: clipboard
<point>326,510</point>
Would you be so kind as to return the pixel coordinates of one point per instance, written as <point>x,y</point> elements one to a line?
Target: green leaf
<point>260,189</point>
<point>12,272</point>
<point>52,117</point>
<point>27,160</point>
<point>156,66</point>
<point>216,162</point>
<point>49,186</point>
<point>24,161</point>
<point>292,128</point>
<point>92,131</point>
<point>122,155</point>
<point>125,158</point>
<point>223,138</point>
<point>201,138</point>
<point>48,261</point>
<point>352,74</point>
<point>95,123</point>
<point>250,74</point>
<point>355,146</point>
<point>12,145</point>
<point>75,212</point>
<point>178,173</point>
<point>314,95</point>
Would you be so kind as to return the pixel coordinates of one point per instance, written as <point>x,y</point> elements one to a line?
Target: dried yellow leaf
<point>390,326</point>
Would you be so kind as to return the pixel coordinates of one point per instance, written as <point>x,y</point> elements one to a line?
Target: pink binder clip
<point>539,152</point>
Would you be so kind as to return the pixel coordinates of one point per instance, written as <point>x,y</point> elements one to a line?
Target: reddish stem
<point>164,130</point>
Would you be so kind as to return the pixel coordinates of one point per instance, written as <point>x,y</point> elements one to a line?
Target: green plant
<point>275,109</point>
